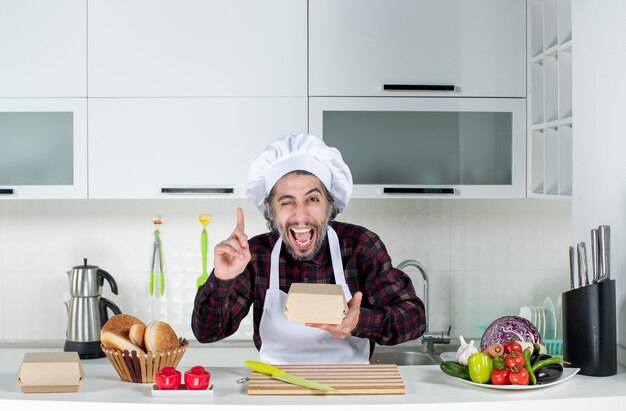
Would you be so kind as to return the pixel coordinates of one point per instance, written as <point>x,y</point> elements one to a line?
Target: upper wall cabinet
<point>43,48</point>
<point>196,48</point>
<point>417,48</point>
<point>43,148</point>
<point>150,148</point>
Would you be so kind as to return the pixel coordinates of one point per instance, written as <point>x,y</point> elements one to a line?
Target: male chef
<point>300,185</point>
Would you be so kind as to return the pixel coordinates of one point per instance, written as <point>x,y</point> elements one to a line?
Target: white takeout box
<point>316,303</point>
<point>50,372</point>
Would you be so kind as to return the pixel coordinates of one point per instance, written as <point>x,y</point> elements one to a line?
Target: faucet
<point>429,339</point>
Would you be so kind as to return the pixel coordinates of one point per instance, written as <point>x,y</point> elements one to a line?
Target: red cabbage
<point>510,328</point>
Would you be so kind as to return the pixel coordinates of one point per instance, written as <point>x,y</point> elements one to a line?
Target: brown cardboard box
<point>316,303</point>
<point>50,372</point>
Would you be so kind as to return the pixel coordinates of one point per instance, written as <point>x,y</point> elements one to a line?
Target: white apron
<point>285,342</point>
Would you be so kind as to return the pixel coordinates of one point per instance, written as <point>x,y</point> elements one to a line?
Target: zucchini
<point>455,369</point>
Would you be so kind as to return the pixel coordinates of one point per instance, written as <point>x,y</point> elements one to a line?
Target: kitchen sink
<point>402,355</point>
<point>403,358</point>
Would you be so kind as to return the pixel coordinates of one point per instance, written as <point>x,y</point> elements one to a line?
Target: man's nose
<point>300,211</point>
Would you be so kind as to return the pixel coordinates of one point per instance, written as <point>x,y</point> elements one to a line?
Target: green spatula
<point>205,219</point>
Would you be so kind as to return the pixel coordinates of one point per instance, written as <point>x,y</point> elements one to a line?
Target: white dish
<point>526,312</point>
<point>448,356</point>
<point>550,312</point>
<point>567,374</point>
<point>182,392</point>
<point>559,317</point>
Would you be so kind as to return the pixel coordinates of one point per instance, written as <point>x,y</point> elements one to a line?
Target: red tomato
<point>520,377</point>
<point>514,361</point>
<point>512,346</point>
<point>500,377</point>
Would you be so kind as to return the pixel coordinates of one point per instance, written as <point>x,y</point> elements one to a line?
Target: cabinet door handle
<point>199,190</point>
<point>411,190</point>
<point>419,87</point>
<point>6,191</point>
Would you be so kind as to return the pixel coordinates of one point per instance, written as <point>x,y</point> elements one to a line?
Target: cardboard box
<point>50,372</point>
<point>316,303</point>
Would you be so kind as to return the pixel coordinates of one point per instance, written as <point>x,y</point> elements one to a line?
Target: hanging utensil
<point>157,254</point>
<point>205,219</point>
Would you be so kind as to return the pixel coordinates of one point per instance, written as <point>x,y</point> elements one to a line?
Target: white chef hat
<point>299,152</point>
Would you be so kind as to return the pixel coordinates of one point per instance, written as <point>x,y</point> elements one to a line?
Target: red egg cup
<point>168,379</point>
<point>197,378</point>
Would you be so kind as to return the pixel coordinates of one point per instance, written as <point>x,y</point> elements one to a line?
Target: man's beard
<point>319,241</point>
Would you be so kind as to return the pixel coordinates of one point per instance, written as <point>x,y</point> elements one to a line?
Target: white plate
<point>448,356</point>
<point>567,374</point>
<point>550,326</point>
<point>559,317</point>
<point>182,392</point>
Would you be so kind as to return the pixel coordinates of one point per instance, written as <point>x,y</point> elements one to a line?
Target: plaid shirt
<point>391,313</point>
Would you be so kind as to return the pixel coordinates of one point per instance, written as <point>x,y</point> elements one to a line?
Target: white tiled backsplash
<point>484,258</point>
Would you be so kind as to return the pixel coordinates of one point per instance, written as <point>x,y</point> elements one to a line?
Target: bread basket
<point>140,368</point>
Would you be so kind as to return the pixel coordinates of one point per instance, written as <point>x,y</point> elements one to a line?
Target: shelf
<point>537,159</point>
<point>551,88</point>
<point>565,21</point>
<point>550,23</point>
<point>565,83</point>
<point>536,29</point>
<point>537,92</point>
<point>565,160</point>
<point>550,100</point>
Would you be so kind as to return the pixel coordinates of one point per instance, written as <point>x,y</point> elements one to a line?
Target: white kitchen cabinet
<point>43,148</point>
<point>43,44</point>
<point>478,47</point>
<point>183,147</point>
<point>409,147</point>
<point>197,48</point>
<point>550,120</point>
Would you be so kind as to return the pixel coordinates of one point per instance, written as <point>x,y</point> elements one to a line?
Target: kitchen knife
<point>582,264</point>
<point>604,252</point>
<point>281,375</point>
<point>594,255</point>
<point>572,266</point>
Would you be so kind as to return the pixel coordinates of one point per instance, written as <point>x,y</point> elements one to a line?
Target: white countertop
<point>426,386</point>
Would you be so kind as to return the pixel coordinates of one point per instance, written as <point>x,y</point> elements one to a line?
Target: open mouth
<point>303,238</point>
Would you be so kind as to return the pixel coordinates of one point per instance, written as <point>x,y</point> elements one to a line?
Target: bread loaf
<point>111,339</point>
<point>160,336</point>
<point>136,333</point>
<point>120,324</point>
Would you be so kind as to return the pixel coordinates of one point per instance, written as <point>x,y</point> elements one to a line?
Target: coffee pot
<point>87,311</point>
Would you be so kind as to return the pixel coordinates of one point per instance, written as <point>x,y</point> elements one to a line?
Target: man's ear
<point>266,204</point>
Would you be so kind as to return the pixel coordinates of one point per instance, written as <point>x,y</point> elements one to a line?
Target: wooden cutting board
<point>357,379</point>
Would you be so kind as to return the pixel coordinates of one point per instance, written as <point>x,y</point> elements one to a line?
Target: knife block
<point>589,329</point>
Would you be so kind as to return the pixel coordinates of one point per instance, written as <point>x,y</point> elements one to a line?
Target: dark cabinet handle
<point>6,191</point>
<point>419,87</point>
<point>202,190</point>
<point>411,190</point>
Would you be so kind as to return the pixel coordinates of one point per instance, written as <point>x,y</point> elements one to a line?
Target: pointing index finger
<point>240,220</point>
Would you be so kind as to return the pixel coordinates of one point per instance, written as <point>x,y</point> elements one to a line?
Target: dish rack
<point>554,347</point>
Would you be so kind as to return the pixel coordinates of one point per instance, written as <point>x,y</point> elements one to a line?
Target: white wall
<point>599,134</point>
<point>485,258</point>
